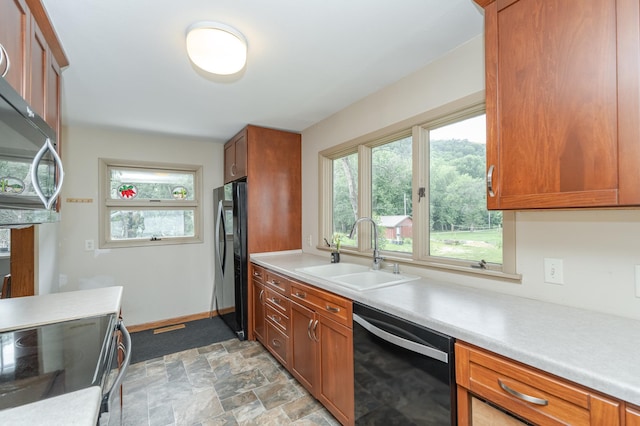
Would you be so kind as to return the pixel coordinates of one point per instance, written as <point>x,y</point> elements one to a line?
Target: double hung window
<point>149,204</point>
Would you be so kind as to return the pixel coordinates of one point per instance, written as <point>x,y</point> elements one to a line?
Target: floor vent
<point>169,328</point>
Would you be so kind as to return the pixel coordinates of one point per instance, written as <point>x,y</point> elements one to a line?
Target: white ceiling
<point>307,59</point>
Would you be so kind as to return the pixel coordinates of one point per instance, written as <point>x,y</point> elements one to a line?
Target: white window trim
<point>418,127</point>
<point>106,203</point>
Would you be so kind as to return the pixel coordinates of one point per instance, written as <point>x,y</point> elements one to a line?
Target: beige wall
<point>159,282</point>
<point>599,248</point>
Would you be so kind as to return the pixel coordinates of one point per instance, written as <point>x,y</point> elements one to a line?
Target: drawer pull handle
<point>276,319</point>
<point>332,309</point>
<point>276,301</point>
<point>315,327</point>
<point>301,295</point>
<point>531,399</point>
<point>257,274</point>
<point>276,283</point>
<point>275,343</point>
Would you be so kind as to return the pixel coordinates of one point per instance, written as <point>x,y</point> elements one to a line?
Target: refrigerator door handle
<point>220,224</point>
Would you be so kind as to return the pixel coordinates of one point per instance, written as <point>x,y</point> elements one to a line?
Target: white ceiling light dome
<point>216,48</point>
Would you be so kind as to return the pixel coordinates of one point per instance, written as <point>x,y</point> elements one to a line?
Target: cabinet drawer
<point>257,273</point>
<point>278,302</point>
<point>279,319</point>
<point>529,393</point>
<point>277,343</point>
<point>324,303</point>
<point>277,282</point>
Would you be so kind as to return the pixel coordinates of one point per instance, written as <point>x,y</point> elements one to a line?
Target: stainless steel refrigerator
<point>230,287</point>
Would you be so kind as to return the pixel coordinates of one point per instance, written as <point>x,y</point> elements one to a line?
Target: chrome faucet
<point>377,259</point>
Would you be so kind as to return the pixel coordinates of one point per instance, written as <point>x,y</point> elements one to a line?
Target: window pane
<point>145,224</point>
<point>345,196</point>
<point>460,224</point>
<point>391,195</point>
<point>148,184</point>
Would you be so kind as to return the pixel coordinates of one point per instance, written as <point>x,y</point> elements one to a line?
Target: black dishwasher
<point>404,372</point>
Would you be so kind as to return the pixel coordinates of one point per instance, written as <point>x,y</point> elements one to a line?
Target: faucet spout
<point>377,259</point>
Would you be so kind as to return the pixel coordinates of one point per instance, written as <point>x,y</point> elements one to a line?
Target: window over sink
<point>424,186</point>
<point>149,204</point>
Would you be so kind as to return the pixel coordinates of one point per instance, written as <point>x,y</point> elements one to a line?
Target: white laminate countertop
<point>593,349</point>
<point>79,408</point>
<point>22,312</point>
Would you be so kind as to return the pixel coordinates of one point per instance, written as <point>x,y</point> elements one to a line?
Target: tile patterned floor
<point>227,383</point>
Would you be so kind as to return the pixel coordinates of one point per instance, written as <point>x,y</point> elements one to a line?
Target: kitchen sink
<point>357,277</point>
<point>333,269</point>
<point>370,280</point>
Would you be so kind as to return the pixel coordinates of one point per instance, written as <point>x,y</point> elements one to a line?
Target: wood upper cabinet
<point>235,158</point>
<point>14,38</point>
<point>274,190</point>
<point>530,394</point>
<point>563,103</point>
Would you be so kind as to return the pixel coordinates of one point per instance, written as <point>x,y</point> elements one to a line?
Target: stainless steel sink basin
<point>370,280</point>
<point>333,269</point>
<point>357,277</point>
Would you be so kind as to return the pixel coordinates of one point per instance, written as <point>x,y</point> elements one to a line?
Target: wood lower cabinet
<point>525,392</point>
<point>309,331</point>
<point>563,103</point>
<point>304,351</point>
<point>258,317</point>
<point>632,415</point>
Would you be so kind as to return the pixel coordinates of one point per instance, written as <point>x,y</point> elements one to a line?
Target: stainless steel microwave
<point>30,169</point>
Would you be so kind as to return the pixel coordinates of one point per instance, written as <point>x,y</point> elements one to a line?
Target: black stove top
<point>45,361</point>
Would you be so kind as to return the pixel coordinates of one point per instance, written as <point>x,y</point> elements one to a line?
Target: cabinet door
<point>336,390</point>
<point>14,37</point>
<point>552,108</point>
<point>304,350</point>
<point>52,96</point>
<point>258,310</point>
<point>235,157</point>
<point>632,416</point>
<point>39,69</point>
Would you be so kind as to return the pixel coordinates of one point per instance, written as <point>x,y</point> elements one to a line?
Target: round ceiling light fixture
<point>216,48</point>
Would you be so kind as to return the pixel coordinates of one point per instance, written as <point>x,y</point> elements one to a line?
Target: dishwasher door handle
<point>402,342</point>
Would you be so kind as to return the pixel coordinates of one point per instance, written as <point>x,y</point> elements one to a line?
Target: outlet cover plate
<point>553,271</point>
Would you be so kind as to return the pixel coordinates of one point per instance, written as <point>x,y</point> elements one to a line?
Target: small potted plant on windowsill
<point>335,254</point>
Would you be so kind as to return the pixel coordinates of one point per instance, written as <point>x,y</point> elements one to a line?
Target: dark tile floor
<point>227,383</point>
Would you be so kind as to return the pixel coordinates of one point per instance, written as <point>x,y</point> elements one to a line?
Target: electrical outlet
<point>89,245</point>
<point>553,273</point>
